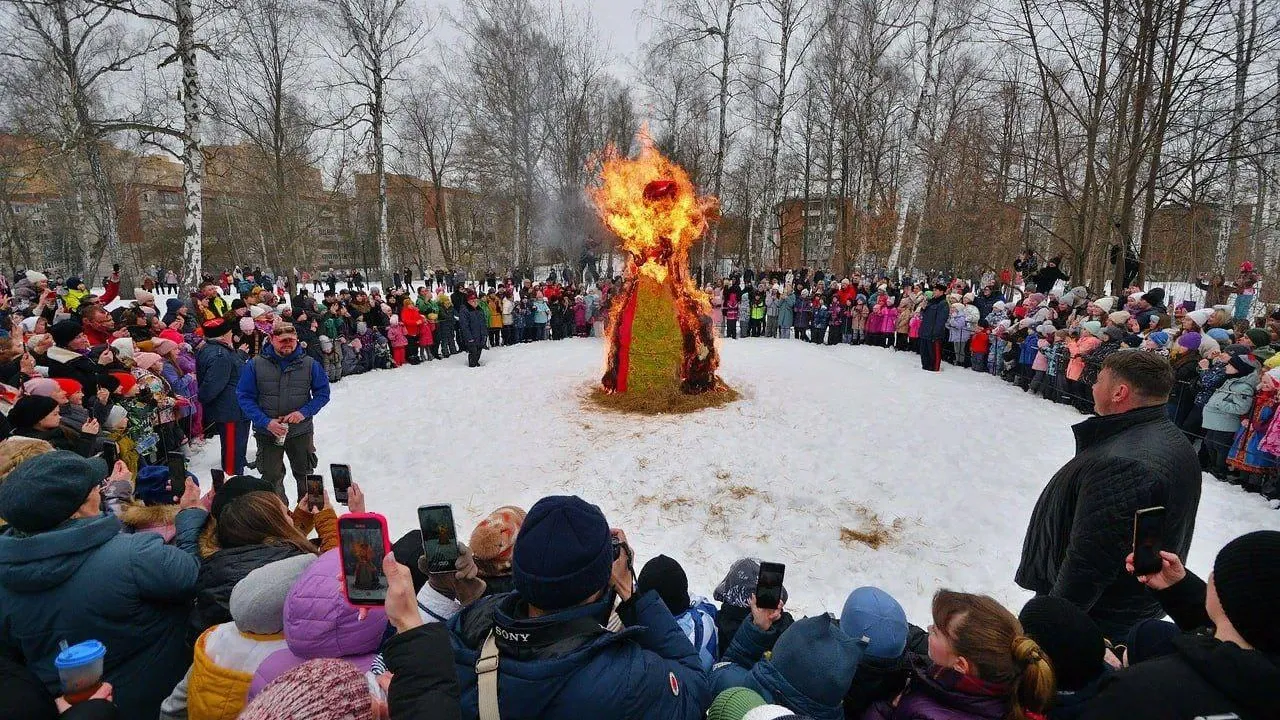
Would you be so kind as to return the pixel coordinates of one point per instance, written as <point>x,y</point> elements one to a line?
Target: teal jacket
<point>85,580</point>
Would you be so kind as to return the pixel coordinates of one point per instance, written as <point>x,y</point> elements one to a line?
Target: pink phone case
<point>342,555</point>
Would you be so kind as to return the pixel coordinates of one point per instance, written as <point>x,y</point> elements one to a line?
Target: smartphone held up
<point>363,542</point>
<point>341,475</point>
<point>439,537</point>
<point>1148,540</point>
<point>769,585</point>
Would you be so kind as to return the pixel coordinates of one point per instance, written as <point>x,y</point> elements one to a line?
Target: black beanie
<point>29,410</point>
<point>1246,575</point>
<point>667,577</point>
<point>64,332</point>
<point>1068,636</point>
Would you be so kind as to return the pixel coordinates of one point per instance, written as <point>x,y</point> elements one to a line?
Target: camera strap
<point>487,679</point>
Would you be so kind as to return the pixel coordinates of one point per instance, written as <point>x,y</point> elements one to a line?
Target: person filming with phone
<point>546,650</point>
<point>280,391</point>
<point>1130,458</point>
<point>1233,673</point>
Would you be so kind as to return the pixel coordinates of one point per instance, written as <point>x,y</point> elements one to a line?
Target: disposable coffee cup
<point>80,669</point>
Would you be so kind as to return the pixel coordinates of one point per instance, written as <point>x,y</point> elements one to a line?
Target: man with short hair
<point>218,367</point>
<point>545,651</point>
<point>1128,458</point>
<point>216,303</point>
<point>280,391</point>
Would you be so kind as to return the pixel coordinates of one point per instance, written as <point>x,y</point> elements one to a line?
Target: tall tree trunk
<point>192,152</point>
<point>377,116</point>
<point>910,158</point>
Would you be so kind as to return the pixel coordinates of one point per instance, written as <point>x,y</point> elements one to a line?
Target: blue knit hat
<point>1220,335</point>
<point>817,659</point>
<point>563,553</point>
<point>873,618</point>
<point>45,491</point>
<point>1160,338</point>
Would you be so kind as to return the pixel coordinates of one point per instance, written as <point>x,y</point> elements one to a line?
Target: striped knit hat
<point>325,689</point>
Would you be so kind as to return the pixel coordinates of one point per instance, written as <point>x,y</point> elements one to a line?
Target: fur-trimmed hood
<point>138,516</point>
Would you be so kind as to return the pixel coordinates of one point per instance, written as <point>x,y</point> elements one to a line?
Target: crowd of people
<point>231,603</point>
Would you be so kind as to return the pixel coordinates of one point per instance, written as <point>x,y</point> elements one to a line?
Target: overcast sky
<point>616,20</point>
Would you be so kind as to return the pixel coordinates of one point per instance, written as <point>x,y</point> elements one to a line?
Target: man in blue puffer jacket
<point>555,659</point>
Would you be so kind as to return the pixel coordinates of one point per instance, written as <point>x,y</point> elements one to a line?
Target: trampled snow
<point>827,443</point>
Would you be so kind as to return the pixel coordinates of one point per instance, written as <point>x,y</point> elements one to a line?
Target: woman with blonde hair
<point>980,667</point>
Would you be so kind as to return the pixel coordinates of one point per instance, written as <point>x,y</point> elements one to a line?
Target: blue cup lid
<point>80,654</point>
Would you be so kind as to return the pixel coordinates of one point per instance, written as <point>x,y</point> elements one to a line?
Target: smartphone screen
<point>315,491</point>
<point>1148,540</point>
<point>110,453</point>
<point>341,475</point>
<point>177,472</point>
<point>361,542</point>
<point>439,537</point>
<point>769,586</point>
<point>219,477</point>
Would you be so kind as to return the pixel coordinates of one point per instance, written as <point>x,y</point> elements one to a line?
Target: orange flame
<point>652,225</point>
<point>650,203</point>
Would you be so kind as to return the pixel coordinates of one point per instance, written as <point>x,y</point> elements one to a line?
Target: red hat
<point>127,381</point>
<point>69,386</point>
<point>1246,266</point>
<point>171,334</point>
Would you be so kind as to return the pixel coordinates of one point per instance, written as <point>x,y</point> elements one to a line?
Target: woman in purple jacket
<point>980,667</point>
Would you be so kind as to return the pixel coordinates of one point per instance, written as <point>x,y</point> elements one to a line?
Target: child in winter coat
<point>1249,455</point>
<point>958,333</point>
<point>821,315</point>
<point>320,623</point>
<point>913,332</point>
<point>694,614</point>
<point>331,358</point>
<point>731,315</point>
<point>1221,417</point>
<point>427,337</point>
<point>786,315</point>
<point>835,322</point>
<point>858,321</point>
<point>581,325</point>
<point>803,316</point>
<point>1059,356</point>
<point>744,312</point>
<point>902,326</point>
<point>757,315</point>
<point>979,346</point>
<point>398,339</point>
<point>771,314</point>
<point>1040,361</point>
<point>227,656</point>
<point>412,319</point>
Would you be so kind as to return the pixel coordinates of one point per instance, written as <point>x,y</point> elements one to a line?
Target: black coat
<point>68,364</point>
<point>933,321</point>
<point>1048,276</point>
<point>882,680</point>
<point>1082,526</point>
<point>1204,677</point>
<point>219,574</point>
<point>424,683</point>
<point>472,323</point>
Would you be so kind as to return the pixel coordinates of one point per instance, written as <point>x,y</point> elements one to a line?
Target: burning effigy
<point>660,338</point>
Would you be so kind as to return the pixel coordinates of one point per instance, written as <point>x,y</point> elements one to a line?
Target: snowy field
<point>827,443</point>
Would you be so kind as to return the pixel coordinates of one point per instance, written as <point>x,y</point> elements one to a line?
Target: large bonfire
<point>661,341</point>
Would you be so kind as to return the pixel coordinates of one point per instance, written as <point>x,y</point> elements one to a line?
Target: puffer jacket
<point>938,693</point>
<point>648,671</point>
<point>858,318</point>
<point>801,681</point>
<point>1085,345</point>
<point>1229,403</point>
<point>1081,528</point>
<point>85,580</point>
<point>332,362</point>
<point>222,568</point>
<point>320,623</point>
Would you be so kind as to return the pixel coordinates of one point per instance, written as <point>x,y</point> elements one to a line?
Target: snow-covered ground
<point>826,442</point>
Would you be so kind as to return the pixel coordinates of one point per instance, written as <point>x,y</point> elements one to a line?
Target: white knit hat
<point>34,277</point>
<point>1200,317</point>
<point>1105,303</point>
